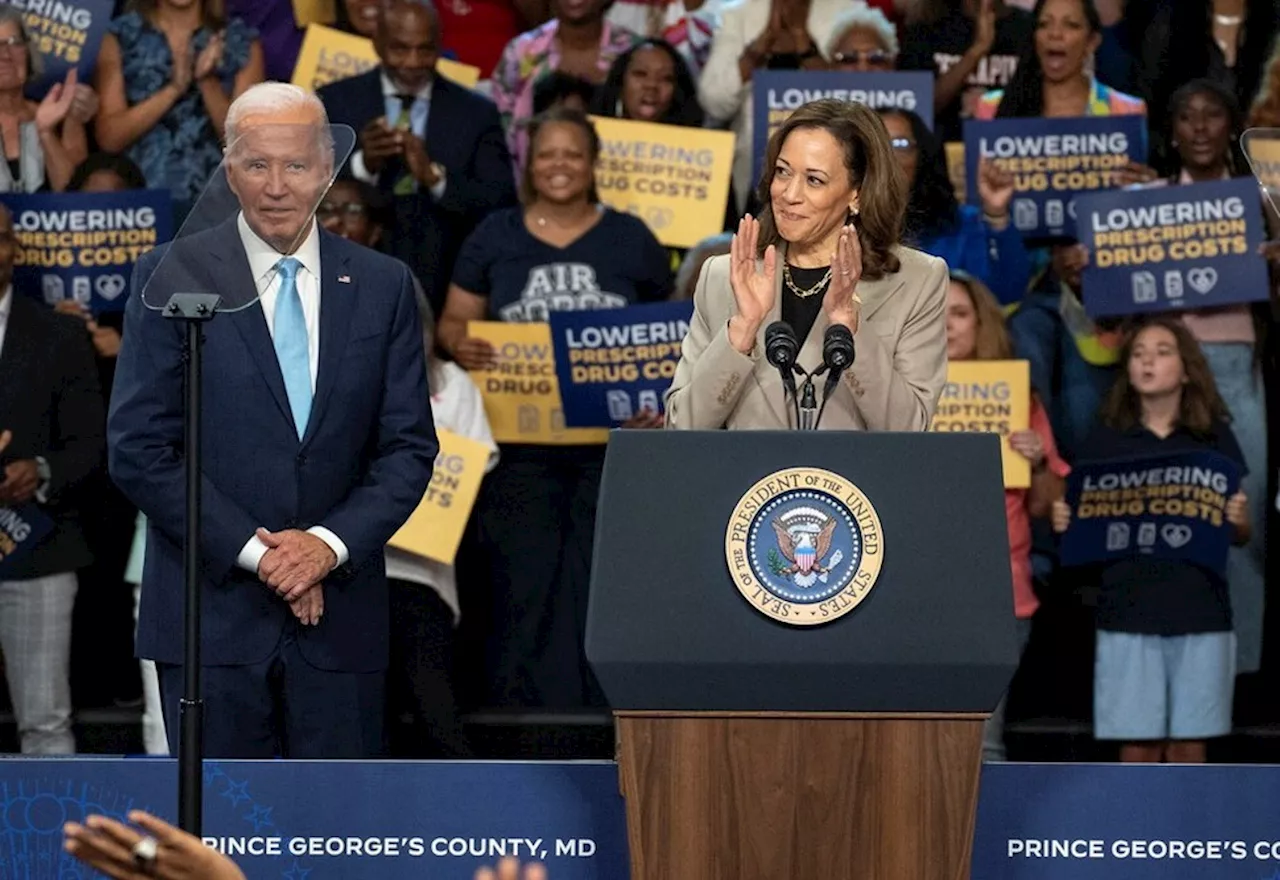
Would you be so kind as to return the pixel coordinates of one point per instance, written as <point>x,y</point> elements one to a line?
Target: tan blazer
<point>898,371</point>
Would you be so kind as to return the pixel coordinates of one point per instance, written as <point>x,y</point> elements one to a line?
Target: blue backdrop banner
<point>22,527</point>
<point>1170,507</point>
<point>1128,822</point>
<point>777,93</point>
<point>342,819</point>
<point>82,246</point>
<point>615,363</point>
<point>1052,162</point>
<point>66,34</point>
<point>352,820</point>
<point>1173,247</point>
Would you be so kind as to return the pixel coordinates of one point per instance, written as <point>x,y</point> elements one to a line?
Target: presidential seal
<point>804,546</point>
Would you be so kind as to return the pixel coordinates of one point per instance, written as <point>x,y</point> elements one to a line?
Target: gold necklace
<point>809,291</point>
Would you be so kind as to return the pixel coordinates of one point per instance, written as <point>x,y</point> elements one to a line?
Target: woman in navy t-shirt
<point>561,251</point>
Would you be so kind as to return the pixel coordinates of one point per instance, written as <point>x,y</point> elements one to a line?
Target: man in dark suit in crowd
<point>433,146</point>
<point>318,445</point>
<point>50,442</point>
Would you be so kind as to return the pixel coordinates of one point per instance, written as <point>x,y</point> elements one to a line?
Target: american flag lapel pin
<point>344,279</point>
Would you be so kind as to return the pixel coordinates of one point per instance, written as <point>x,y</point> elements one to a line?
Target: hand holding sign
<point>1028,444</point>
<point>475,354</point>
<point>1134,173</point>
<point>1237,511</point>
<point>1061,516</point>
<point>841,301</point>
<point>754,287</point>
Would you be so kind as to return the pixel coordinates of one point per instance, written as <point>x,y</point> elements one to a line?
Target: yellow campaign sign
<point>983,397</point>
<point>522,394</point>
<point>674,178</point>
<point>435,529</point>
<point>328,55</point>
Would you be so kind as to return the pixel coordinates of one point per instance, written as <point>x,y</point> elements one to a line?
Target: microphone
<point>781,349</point>
<point>837,356</point>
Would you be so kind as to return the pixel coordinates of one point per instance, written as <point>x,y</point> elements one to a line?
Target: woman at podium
<point>825,254</point>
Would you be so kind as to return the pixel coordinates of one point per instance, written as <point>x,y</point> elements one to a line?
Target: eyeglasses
<point>876,57</point>
<point>12,43</point>
<point>902,145</point>
<point>351,209</point>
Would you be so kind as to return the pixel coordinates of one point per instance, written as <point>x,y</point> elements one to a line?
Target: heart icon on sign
<point>1202,279</point>
<point>1175,535</point>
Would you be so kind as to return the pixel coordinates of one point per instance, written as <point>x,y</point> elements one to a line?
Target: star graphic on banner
<point>236,792</point>
<point>211,772</point>
<point>260,816</point>
<point>297,872</point>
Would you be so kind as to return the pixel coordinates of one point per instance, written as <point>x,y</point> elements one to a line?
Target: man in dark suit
<point>50,441</point>
<point>318,445</point>
<point>436,148</point>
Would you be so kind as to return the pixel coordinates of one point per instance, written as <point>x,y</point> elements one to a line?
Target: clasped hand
<point>295,564</point>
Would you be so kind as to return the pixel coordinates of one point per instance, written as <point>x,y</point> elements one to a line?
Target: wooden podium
<point>749,749</point>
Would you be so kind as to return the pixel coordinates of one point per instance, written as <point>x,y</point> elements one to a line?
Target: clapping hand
<point>755,287</point>
<point>984,32</point>
<point>1237,509</point>
<point>210,58</point>
<point>841,301</point>
<point>378,143</point>
<point>183,67</point>
<point>56,104</point>
<point>509,869</point>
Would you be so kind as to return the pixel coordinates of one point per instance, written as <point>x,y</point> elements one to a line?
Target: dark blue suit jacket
<point>360,470</point>
<point>464,134</point>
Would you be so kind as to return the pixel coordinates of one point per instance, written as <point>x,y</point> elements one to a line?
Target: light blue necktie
<point>291,344</point>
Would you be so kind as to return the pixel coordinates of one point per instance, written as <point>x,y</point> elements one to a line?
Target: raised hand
<point>509,869</point>
<point>995,188</point>
<point>6,437</point>
<point>755,287</point>
<point>841,301</point>
<point>56,104</point>
<point>107,846</point>
<point>984,32</point>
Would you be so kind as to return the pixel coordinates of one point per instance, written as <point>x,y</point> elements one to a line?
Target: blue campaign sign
<point>66,34</point>
<point>82,246</point>
<point>1052,162</point>
<point>777,93</point>
<point>1127,822</point>
<point>1169,507</point>
<point>325,820</point>
<point>1173,247</point>
<point>616,363</point>
<point>22,527</point>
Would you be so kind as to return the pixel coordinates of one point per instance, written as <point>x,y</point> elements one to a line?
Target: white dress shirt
<point>418,115</point>
<point>5,299</point>
<point>263,260</point>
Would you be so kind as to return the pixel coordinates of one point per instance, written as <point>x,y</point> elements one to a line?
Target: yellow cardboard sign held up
<point>983,397</point>
<point>435,529</point>
<point>675,179</point>
<point>328,55</point>
<point>522,394</point>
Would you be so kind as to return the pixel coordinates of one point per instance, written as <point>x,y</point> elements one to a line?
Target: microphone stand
<point>194,310</point>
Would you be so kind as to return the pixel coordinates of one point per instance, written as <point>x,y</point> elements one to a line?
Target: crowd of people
<point>488,196</point>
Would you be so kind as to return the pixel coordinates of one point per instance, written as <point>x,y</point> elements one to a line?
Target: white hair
<point>270,98</point>
<point>866,18</point>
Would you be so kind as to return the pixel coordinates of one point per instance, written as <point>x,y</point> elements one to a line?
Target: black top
<point>801,312</point>
<point>938,46</point>
<point>1164,597</point>
<point>613,264</point>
